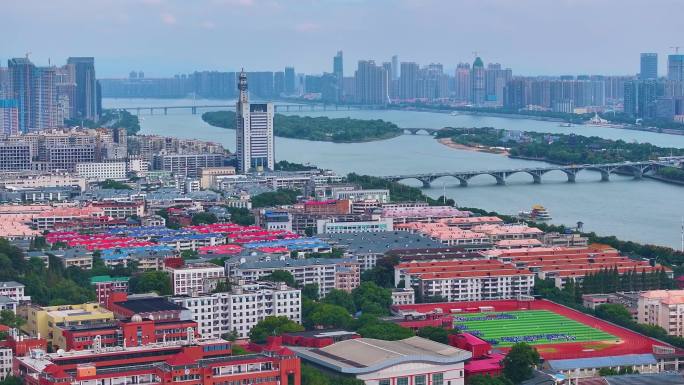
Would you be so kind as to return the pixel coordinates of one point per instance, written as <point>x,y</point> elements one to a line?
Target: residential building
<point>241,308</point>
<point>46,220</point>
<point>413,360</point>
<point>289,80</point>
<point>9,116</point>
<point>664,308</point>
<point>649,66</point>
<point>106,285</point>
<point>6,358</point>
<point>35,91</point>
<point>187,165</point>
<point>325,272</point>
<point>403,296</point>
<point>465,280</point>
<point>14,290</point>
<point>101,171</point>
<point>371,83</point>
<point>146,306</point>
<point>208,175</point>
<point>408,80</point>
<point>77,257</point>
<point>254,132</point>
<point>675,67</point>
<point>189,279</point>
<point>44,321</point>
<point>85,100</point>
<point>15,156</point>
<point>27,179</point>
<point>205,362</point>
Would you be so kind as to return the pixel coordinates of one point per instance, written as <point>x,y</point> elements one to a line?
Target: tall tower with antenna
<point>253,132</point>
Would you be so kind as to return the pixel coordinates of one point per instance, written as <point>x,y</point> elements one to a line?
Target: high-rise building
<point>515,94</point>
<point>85,101</point>
<point>395,67</point>
<point>254,132</point>
<point>278,83</point>
<point>338,72</point>
<point>478,95</point>
<point>463,82</point>
<point>649,66</point>
<point>34,89</point>
<point>9,117</point>
<point>640,98</point>
<point>21,80</point>
<point>289,80</point>
<point>675,67</point>
<point>371,83</point>
<point>407,80</point>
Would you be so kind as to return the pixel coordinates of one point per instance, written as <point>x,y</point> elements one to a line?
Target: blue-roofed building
<point>191,241</point>
<point>147,232</point>
<point>327,273</point>
<point>298,244</point>
<point>146,257</point>
<point>589,367</point>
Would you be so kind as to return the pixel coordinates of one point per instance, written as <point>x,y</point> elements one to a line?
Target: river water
<point>646,211</point>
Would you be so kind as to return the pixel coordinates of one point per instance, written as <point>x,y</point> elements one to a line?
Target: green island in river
<point>322,129</point>
<point>563,149</point>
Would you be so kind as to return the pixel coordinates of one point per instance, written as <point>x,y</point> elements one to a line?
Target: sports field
<point>536,327</point>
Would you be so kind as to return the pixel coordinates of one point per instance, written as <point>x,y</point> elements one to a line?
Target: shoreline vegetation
<point>322,129</point>
<point>560,148</point>
<point>615,120</point>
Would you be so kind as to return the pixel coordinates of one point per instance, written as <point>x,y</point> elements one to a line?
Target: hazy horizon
<point>167,37</point>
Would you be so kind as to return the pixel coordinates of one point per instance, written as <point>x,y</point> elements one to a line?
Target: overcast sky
<point>165,37</point>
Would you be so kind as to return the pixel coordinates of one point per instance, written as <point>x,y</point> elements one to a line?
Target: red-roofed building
<point>193,362</point>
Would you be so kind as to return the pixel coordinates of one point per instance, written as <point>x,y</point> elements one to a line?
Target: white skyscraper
<point>254,131</point>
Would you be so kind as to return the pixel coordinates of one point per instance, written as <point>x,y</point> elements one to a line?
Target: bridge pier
<point>605,176</point>
<point>194,110</point>
<point>300,107</point>
<point>166,111</point>
<point>571,176</point>
<point>463,182</point>
<point>500,178</point>
<point>137,111</point>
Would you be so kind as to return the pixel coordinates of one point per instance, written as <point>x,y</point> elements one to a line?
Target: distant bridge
<point>638,169</point>
<point>278,107</point>
<point>428,131</point>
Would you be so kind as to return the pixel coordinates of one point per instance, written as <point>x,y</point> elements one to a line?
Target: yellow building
<point>47,321</point>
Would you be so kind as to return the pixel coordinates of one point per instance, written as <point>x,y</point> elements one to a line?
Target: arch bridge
<point>637,169</point>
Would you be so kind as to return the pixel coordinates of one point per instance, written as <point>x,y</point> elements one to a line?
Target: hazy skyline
<point>166,37</point>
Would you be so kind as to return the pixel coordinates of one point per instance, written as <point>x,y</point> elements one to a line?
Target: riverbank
<point>458,146</point>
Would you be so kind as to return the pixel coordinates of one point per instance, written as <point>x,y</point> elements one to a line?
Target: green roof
<point>106,278</point>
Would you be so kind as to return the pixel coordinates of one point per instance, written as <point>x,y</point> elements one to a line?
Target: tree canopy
<point>273,326</point>
<point>519,362</point>
<point>280,276</point>
<point>156,281</point>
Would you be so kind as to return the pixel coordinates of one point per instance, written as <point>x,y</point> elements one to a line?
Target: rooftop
<point>380,242</point>
<point>149,304</point>
<point>364,355</point>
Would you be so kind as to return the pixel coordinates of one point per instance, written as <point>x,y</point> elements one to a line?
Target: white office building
<point>242,308</point>
<point>14,290</point>
<point>254,132</point>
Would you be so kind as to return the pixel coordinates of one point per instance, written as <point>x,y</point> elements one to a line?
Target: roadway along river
<point>645,211</point>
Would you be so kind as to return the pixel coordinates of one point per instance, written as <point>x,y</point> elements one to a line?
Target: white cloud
<point>168,18</point>
<point>307,27</point>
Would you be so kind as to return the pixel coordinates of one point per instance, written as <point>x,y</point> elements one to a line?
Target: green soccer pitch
<point>542,325</point>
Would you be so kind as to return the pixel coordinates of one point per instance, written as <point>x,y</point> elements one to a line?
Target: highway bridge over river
<point>638,169</point>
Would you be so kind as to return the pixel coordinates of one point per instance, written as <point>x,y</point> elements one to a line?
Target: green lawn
<point>540,326</point>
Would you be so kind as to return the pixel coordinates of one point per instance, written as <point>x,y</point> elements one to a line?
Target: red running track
<point>631,342</point>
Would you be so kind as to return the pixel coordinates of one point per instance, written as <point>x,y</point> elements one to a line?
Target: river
<point>645,211</point>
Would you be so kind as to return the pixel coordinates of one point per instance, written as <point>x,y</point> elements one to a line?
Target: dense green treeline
<point>559,148</point>
<point>339,130</point>
<point>111,119</point>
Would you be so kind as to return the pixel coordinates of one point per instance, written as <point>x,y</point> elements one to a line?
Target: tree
<point>373,299</point>
<point>330,316</point>
<point>157,281</point>
<point>114,185</point>
<point>434,333</point>
<point>280,276</point>
<point>11,380</point>
<point>275,198</point>
<point>310,291</point>
<point>204,218</point>
<point>481,379</point>
<point>273,326</point>
<point>369,326</point>
<point>314,376</point>
<point>8,318</point>
<point>340,298</point>
<point>615,313</point>
<point>519,362</point>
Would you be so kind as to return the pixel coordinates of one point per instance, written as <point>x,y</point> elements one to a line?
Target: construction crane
<point>676,48</point>
<point>27,54</point>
